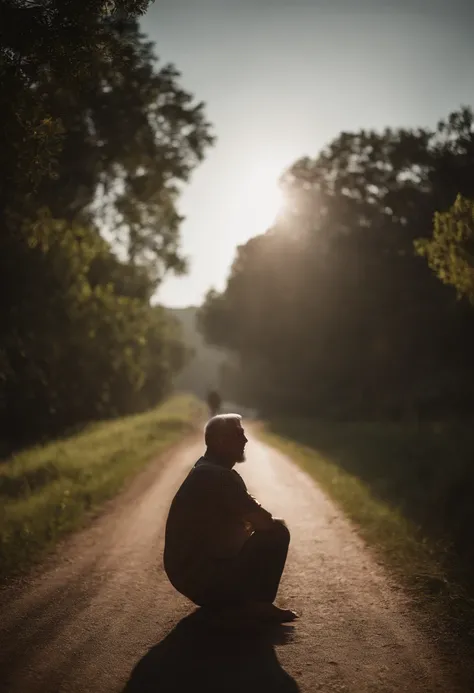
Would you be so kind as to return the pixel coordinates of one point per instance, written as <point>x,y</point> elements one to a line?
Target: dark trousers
<point>255,574</point>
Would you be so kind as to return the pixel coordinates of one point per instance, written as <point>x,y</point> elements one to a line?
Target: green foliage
<point>450,252</point>
<point>96,141</point>
<point>117,132</point>
<point>47,492</point>
<point>330,312</point>
<point>56,43</point>
<point>76,350</point>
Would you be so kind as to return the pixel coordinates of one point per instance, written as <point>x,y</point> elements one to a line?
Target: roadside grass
<point>408,488</point>
<point>49,491</point>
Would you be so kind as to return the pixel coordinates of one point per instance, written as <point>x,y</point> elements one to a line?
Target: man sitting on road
<point>222,549</point>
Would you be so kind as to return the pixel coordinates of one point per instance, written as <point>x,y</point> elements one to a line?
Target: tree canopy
<point>331,312</point>
<point>98,140</point>
<point>450,251</point>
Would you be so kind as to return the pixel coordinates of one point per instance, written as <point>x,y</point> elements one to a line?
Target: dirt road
<point>102,617</point>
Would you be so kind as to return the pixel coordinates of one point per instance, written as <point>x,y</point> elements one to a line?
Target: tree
<point>76,350</point>
<point>450,252</point>
<point>96,144</point>
<point>43,40</point>
<point>331,312</point>
<point>119,134</point>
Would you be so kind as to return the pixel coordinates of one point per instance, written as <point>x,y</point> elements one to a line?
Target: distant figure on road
<point>222,549</point>
<point>214,402</point>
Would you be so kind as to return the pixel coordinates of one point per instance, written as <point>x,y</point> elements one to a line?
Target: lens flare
<point>263,200</point>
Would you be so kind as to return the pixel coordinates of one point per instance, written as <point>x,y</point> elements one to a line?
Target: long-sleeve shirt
<point>207,525</point>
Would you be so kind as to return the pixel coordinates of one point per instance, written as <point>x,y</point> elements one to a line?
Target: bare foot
<point>272,613</point>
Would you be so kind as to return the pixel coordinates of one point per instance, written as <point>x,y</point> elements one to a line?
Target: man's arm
<point>260,519</point>
<point>247,507</point>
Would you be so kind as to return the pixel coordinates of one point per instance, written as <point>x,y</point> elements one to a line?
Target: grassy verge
<point>408,489</point>
<point>48,491</point>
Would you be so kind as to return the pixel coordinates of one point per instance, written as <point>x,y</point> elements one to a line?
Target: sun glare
<point>263,199</point>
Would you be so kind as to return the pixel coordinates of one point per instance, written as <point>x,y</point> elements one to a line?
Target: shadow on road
<point>195,657</point>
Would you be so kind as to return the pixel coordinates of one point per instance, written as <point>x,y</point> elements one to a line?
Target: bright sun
<point>262,198</point>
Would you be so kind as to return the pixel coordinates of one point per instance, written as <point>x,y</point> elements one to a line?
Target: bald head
<point>225,438</point>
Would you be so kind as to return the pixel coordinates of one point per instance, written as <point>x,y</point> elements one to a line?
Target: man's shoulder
<point>207,467</point>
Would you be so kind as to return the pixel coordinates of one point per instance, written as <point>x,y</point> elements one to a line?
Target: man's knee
<point>281,531</point>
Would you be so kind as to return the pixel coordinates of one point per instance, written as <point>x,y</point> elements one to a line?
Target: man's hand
<point>262,520</point>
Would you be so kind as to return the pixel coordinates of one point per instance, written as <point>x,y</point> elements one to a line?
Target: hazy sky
<point>280,80</point>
